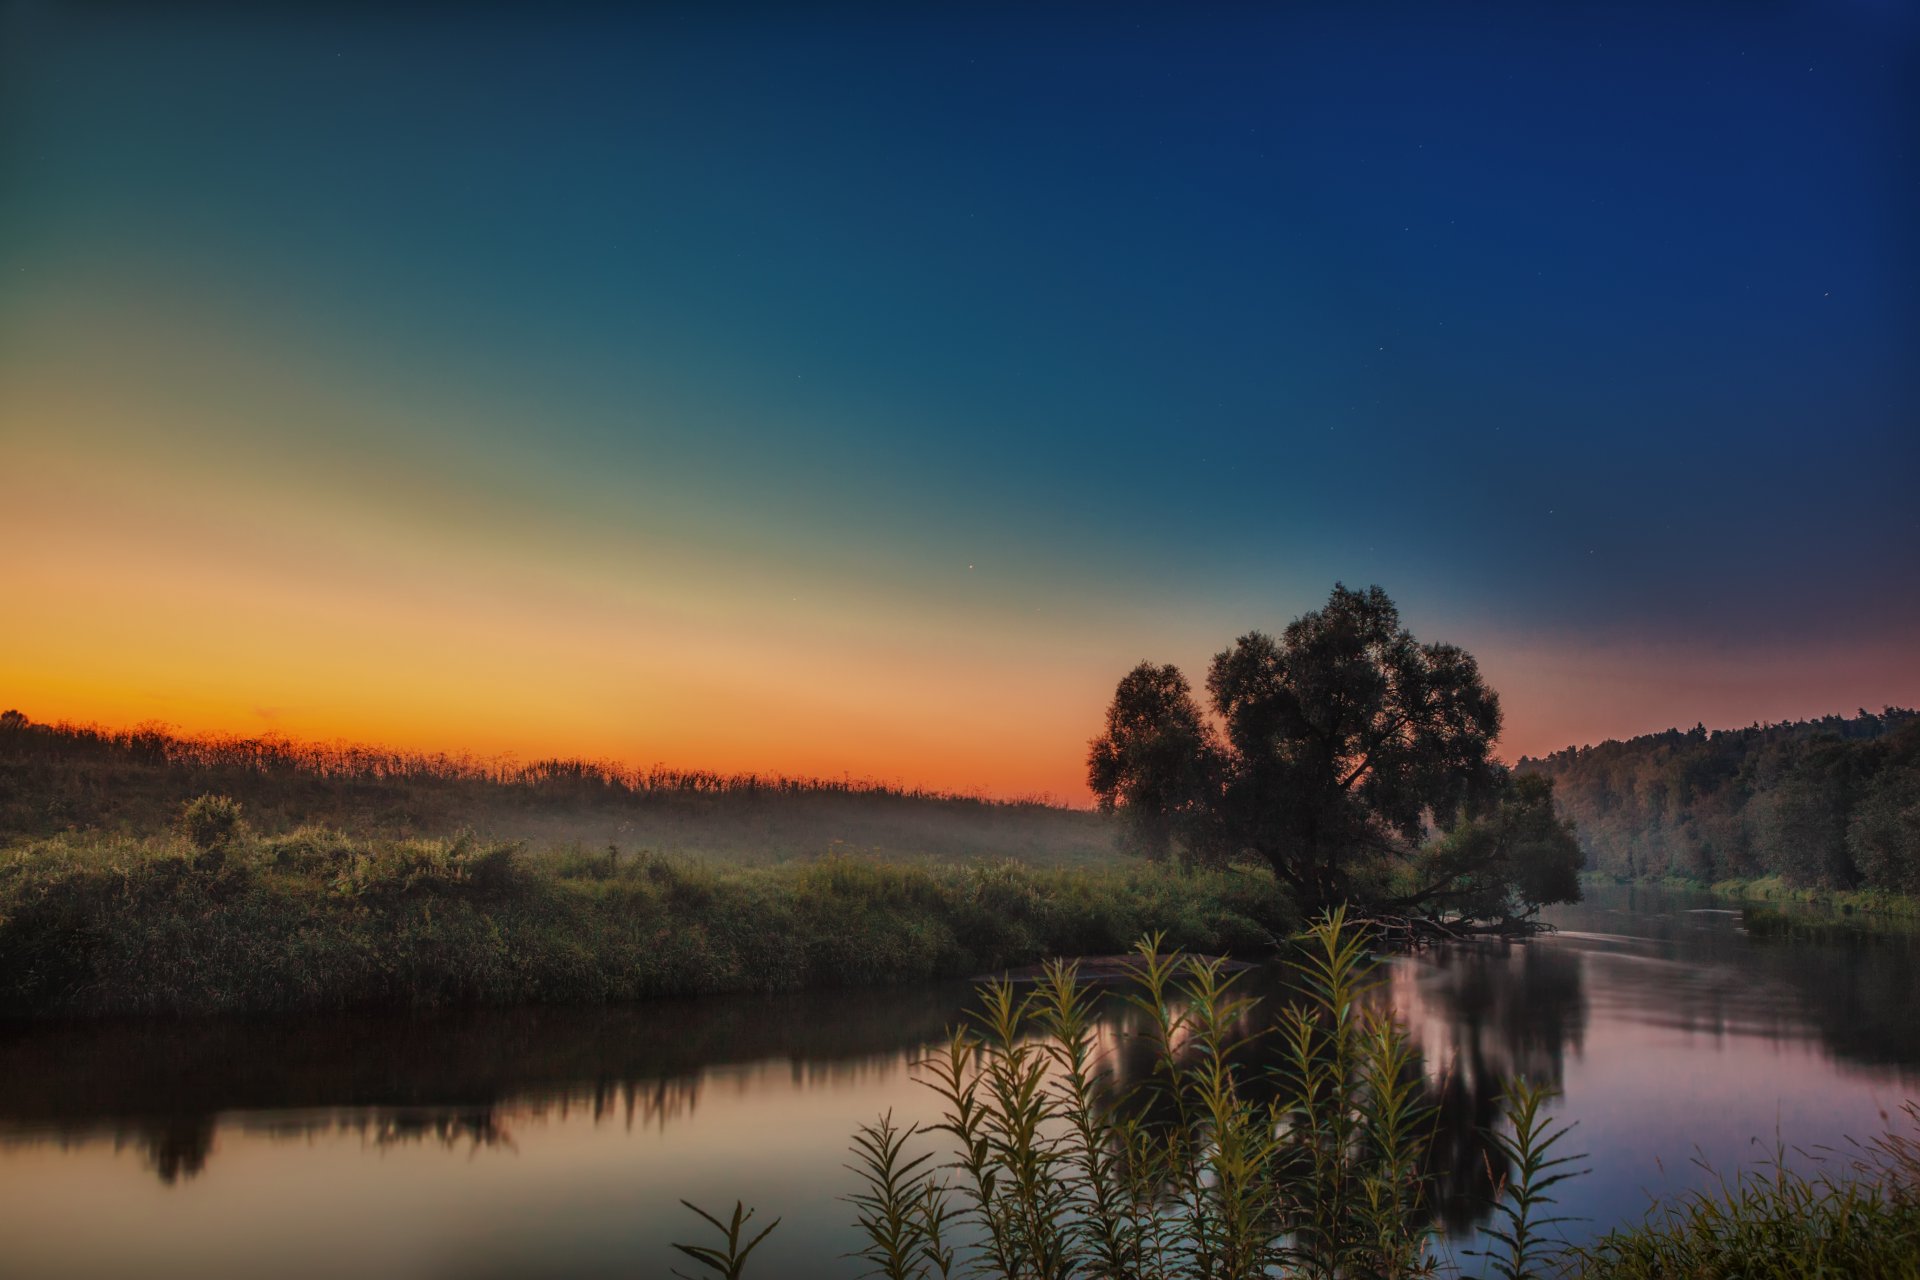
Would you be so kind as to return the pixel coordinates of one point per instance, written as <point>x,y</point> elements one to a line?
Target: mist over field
<point>959,642</point>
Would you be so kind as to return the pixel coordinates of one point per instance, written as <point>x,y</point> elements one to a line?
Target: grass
<point>1044,1164</point>
<point>215,918</point>
<point>1865,908</point>
<point>1845,902</point>
<point>1861,1222</point>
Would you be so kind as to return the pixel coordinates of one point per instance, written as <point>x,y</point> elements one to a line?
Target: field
<point>147,873</point>
<point>57,779</point>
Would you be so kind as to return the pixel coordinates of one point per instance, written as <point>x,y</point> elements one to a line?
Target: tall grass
<point>218,918</point>
<point>1860,1221</point>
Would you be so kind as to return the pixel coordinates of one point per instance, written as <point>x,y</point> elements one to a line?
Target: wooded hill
<point>1832,803</point>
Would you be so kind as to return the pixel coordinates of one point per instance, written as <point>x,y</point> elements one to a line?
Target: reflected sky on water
<point>557,1142</point>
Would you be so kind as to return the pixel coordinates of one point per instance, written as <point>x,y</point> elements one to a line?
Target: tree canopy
<point>1832,803</point>
<point>1333,754</point>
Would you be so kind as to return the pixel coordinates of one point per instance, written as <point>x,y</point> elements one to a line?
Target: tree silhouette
<point>1333,751</point>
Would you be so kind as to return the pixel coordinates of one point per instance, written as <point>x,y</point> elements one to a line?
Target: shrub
<point>494,871</point>
<point>211,823</point>
<point>310,850</point>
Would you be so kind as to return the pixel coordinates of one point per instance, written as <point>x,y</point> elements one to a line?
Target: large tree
<point>1332,753</point>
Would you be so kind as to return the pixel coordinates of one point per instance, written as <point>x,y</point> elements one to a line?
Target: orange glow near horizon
<point>170,562</point>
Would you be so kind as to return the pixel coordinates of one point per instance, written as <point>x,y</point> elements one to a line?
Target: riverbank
<point>1776,891</point>
<point>316,920</point>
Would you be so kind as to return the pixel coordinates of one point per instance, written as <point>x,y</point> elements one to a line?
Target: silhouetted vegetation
<point>1830,805</point>
<point>314,919</point>
<point>1351,759</point>
<point>57,778</point>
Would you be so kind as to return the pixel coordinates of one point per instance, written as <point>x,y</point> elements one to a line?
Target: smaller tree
<point>1158,761</point>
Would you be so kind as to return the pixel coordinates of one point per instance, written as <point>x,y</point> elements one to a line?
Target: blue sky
<point>1588,332</point>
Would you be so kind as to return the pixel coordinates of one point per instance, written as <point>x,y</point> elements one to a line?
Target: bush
<point>310,850</point>
<point>211,823</point>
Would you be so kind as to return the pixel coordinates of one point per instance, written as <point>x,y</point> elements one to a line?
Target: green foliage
<point>315,919</point>
<point>211,823</point>
<point>1505,864</point>
<point>1774,1223</point>
<point>1158,762</point>
<point>729,1259</point>
<point>1831,804</point>
<point>1522,1214</point>
<point>308,850</point>
<point>1200,1167</point>
<point>489,871</point>
<point>904,1212</point>
<point>1065,1163</point>
<point>1883,831</point>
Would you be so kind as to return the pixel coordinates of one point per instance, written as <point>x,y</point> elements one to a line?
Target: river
<point>558,1142</point>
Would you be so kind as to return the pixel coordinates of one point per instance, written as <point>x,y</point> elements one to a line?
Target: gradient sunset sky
<point>863,389</point>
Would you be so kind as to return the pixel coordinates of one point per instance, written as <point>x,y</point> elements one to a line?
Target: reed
<point>1046,1164</point>
<point>1056,1168</point>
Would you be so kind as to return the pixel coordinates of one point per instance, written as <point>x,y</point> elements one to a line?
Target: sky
<point>863,389</point>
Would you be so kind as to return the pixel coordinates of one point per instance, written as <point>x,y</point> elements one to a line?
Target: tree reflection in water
<point>1481,1014</point>
<point>1485,1015</point>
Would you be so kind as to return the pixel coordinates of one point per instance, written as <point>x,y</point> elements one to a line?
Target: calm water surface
<point>558,1142</point>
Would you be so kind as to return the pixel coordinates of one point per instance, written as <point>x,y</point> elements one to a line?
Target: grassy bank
<point>1845,902</point>
<point>231,922</point>
<point>1861,1222</point>
<point>1776,891</point>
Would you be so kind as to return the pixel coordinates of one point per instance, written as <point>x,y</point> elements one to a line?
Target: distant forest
<point>64,777</point>
<point>1832,803</point>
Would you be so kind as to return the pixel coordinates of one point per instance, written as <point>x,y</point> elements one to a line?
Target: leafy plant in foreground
<point>1203,1168</point>
<point>1521,1223</point>
<point>730,1259</point>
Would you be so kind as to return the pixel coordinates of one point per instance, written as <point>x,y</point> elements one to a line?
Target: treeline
<point>62,777</point>
<point>1832,803</point>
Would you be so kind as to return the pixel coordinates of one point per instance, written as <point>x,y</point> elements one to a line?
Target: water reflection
<point>161,1087</point>
<point>1485,1014</point>
<point>1667,1027</point>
